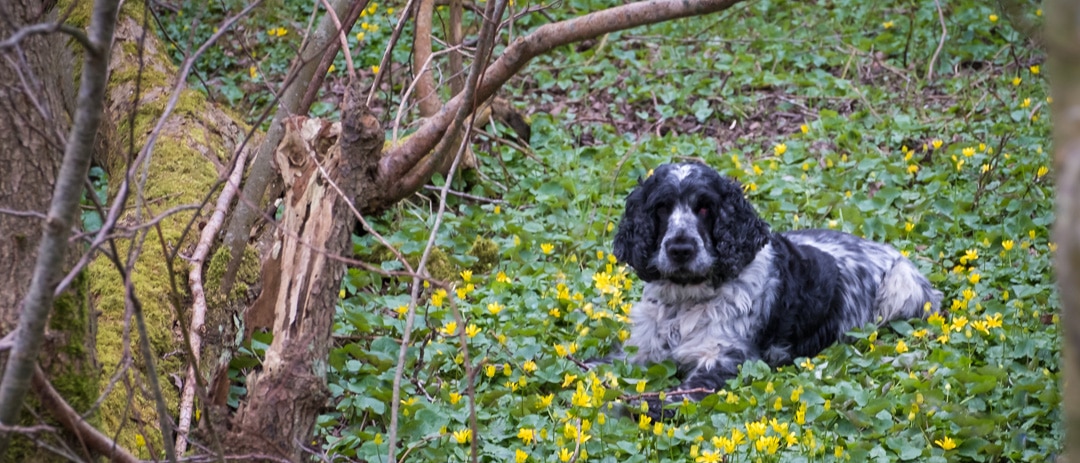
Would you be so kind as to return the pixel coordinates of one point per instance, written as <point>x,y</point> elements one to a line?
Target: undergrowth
<point>824,112</point>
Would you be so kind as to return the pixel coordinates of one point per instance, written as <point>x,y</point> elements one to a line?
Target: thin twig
<point>941,43</point>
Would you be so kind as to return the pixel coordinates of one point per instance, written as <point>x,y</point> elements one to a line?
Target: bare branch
<point>74,422</point>
<point>47,28</point>
<point>63,211</point>
<point>402,158</point>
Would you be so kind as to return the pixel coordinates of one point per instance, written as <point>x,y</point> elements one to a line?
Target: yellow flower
<point>887,24</point>
<point>140,441</point>
<point>974,278</point>
<point>330,69</point>
<point>463,436</point>
<point>438,297</point>
<point>804,128</point>
<point>913,168</point>
<point>580,397</point>
<point>936,143</point>
<point>921,333</point>
<point>828,404</point>
<point>565,455</point>
<point>545,400</point>
<point>1016,81</point>
<point>658,428</point>
<point>779,404</point>
<point>947,443</point>
<point>568,379</point>
<point>253,72</point>
<point>1034,69</point>
<point>501,278</point>
<point>506,369</point>
<point>494,308</point>
<point>529,366</point>
<point>359,36</point>
<point>709,457</point>
<point>959,323</point>
<point>1025,103</point>
<point>994,321</point>
<point>489,371</point>
<point>645,421</point>
<point>520,456</point>
<point>1007,245</point>
<point>756,429</point>
<point>769,445</point>
<point>375,69</point>
<point>993,18</point>
<point>454,398</point>
<point>838,451</point>
<point>780,149</point>
<point>968,152</point>
<point>807,364</point>
<point>901,347</point>
<point>527,435</point>
<point>1043,170</point>
<point>449,329</point>
<point>472,330</point>
<point>560,350</point>
<point>547,248</point>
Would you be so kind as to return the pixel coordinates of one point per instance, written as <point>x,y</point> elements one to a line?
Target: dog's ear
<point>635,242</point>
<point>738,233</point>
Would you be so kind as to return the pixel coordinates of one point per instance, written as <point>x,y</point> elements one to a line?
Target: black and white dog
<point>722,289</point>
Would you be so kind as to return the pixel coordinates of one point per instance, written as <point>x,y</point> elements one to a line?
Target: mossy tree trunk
<point>35,103</point>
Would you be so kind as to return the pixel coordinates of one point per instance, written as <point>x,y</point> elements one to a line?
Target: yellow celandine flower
<point>887,24</point>
<point>360,36</point>
<point>959,323</point>
<point>545,400</point>
<point>974,278</point>
<point>779,404</point>
<point>489,371</point>
<point>529,366</point>
<point>466,276</point>
<point>1016,81</point>
<point>756,429</point>
<point>780,149</point>
<point>527,435</point>
<point>709,457</point>
<point>375,69</point>
<point>936,143</point>
<point>796,393</point>
<point>565,455</point>
<point>769,389</point>
<point>919,334</point>
<point>1034,69</point>
<point>494,308</point>
<point>981,326</point>
<point>462,293</point>
<point>520,456</point>
<point>1043,170</point>
<point>827,405</point>
<point>804,128</point>
<point>140,441</point>
<point>330,69</point>
<point>908,227</point>
<point>438,297</point>
<point>658,428</point>
<point>947,443</point>
<point>993,321</point>
<point>463,436</point>
<point>568,379</point>
<point>800,414</point>
<point>645,421</point>
<point>1025,103</point>
<point>501,277</point>
<point>807,364</point>
<point>993,18</point>
<point>640,387</point>
<point>454,398</point>
<point>737,439</point>
<point>913,168</point>
<point>449,329</point>
<point>769,444</point>
<point>901,347</point>
<point>253,72</point>
<point>506,369</point>
<point>968,152</point>
<point>970,255</point>
<point>580,397</point>
<point>546,248</point>
<point>1007,245</point>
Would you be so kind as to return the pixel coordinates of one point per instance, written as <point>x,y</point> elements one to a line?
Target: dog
<point>722,289</point>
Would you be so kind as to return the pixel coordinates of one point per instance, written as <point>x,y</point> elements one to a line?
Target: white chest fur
<point>697,325</point>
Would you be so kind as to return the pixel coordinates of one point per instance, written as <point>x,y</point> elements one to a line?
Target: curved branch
<point>400,159</point>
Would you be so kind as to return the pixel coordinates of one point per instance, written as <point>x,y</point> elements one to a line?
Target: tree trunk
<point>1062,30</point>
<point>301,279</point>
<point>36,96</point>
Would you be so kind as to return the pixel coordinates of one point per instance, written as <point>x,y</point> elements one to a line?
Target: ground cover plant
<point>856,116</point>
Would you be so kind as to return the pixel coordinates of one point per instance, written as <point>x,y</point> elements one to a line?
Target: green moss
<point>486,253</point>
<point>440,266</point>
<point>246,275</point>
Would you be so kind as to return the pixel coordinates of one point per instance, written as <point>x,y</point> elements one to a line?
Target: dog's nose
<point>680,249</point>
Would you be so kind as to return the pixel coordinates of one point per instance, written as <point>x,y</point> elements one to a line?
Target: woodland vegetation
<point>256,231</point>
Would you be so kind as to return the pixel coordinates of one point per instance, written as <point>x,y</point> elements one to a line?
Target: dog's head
<point>688,224</point>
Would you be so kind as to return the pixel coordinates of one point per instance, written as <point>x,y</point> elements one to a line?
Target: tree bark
<point>302,278</point>
<point>36,97</point>
<point>1061,36</point>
